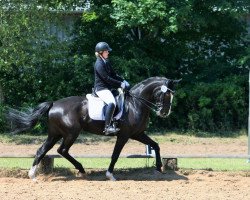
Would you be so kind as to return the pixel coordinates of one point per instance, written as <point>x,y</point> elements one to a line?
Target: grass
<point>215,164</point>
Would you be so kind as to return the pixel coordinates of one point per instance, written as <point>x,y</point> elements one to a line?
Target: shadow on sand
<point>139,174</point>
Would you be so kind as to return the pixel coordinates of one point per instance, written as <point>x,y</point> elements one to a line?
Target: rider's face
<point>105,54</point>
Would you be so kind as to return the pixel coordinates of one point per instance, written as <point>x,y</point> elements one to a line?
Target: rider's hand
<point>126,84</point>
<point>123,85</point>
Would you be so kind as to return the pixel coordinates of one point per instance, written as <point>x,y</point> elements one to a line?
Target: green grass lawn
<point>216,164</point>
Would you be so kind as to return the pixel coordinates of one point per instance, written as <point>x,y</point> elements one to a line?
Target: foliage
<point>30,55</point>
<point>2,120</point>
<point>203,42</point>
<point>148,14</point>
<point>218,106</point>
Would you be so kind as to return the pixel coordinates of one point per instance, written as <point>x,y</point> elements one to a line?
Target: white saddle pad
<point>95,107</point>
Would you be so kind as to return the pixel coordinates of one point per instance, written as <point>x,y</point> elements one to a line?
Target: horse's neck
<point>138,107</point>
<point>142,96</point>
<point>146,91</point>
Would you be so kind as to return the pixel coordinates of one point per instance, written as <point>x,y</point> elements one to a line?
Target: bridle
<point>156,107</point>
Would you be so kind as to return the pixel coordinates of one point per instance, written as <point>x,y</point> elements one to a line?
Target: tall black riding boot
<point>109,130</point>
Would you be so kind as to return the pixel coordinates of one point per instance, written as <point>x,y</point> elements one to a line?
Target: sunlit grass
<point>216,164</point>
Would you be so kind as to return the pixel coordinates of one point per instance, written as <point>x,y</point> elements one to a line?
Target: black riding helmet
<point>102,46</point>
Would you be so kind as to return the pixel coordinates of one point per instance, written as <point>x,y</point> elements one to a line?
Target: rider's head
<point>102,49</point>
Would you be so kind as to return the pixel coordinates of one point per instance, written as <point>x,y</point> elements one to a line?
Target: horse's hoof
<point>159,169</point>
<point>35,180</point>
<point>110,176</point>
<point>157,172</point>
<point>32,177</point>
<point>81,175</point>
<point>32,173</point>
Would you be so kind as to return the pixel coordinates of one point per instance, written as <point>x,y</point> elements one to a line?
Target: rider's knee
<point>112,105</point>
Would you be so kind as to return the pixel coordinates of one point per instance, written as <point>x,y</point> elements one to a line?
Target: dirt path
<point>170,145</point>
<point>138,185</point>
<point>134,184</point>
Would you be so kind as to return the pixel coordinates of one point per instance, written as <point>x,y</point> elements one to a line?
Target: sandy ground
<point>133,184</point>
<point>137,185</point>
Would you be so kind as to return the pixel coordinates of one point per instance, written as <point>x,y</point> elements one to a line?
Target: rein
<point>145,102</point>
<point>153,106</point>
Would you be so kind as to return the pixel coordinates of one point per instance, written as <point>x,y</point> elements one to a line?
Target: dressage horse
<point>69,116</point>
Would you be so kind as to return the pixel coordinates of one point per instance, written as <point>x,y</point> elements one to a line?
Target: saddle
<point>97,107</point>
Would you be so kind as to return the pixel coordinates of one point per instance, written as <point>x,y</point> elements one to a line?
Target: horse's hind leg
<point>64,151</point>
<point>47,145</point>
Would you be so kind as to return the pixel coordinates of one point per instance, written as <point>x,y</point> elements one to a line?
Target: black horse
<point>68,116</point>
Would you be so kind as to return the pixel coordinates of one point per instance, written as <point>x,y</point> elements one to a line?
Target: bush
<point>219,106</point>
<point>192,40</point>
<point>2,119</point>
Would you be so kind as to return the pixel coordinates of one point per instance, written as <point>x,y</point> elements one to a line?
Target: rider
<point>106,79</point>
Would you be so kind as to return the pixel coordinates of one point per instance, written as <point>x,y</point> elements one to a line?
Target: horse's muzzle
<point>162,114</point>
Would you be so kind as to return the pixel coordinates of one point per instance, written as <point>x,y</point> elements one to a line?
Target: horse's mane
<point>148,80</point>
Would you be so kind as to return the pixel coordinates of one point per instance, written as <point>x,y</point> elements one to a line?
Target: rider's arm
<point>99,67</point>
<point>114,74</point>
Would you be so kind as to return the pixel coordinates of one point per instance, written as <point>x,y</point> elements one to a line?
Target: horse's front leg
<point>120,142</point>
<point>143,138</point>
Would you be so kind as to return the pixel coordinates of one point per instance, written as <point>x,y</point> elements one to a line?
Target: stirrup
<point>111,130</point>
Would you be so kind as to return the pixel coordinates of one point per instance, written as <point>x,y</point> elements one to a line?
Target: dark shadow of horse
<point>133,174</point>
<point>69,116</point>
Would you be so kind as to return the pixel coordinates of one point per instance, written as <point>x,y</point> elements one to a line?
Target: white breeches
<point>106,96</point>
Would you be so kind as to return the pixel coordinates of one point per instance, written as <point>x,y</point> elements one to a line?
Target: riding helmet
<point>102,46</point>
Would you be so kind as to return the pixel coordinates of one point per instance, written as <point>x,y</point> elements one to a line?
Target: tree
<point>203,42</point>
<point>198,36</point>
<point>30,55</point>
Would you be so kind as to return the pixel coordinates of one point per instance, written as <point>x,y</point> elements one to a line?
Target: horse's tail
<point>22,121</point>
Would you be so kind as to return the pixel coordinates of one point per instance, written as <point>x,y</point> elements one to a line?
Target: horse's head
<point>155,93</point>
<point>163,96</point>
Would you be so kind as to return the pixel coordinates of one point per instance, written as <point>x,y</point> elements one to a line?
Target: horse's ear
<point>177,81</point>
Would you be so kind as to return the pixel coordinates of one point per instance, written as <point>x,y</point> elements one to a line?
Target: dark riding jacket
<point>105,76</point>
